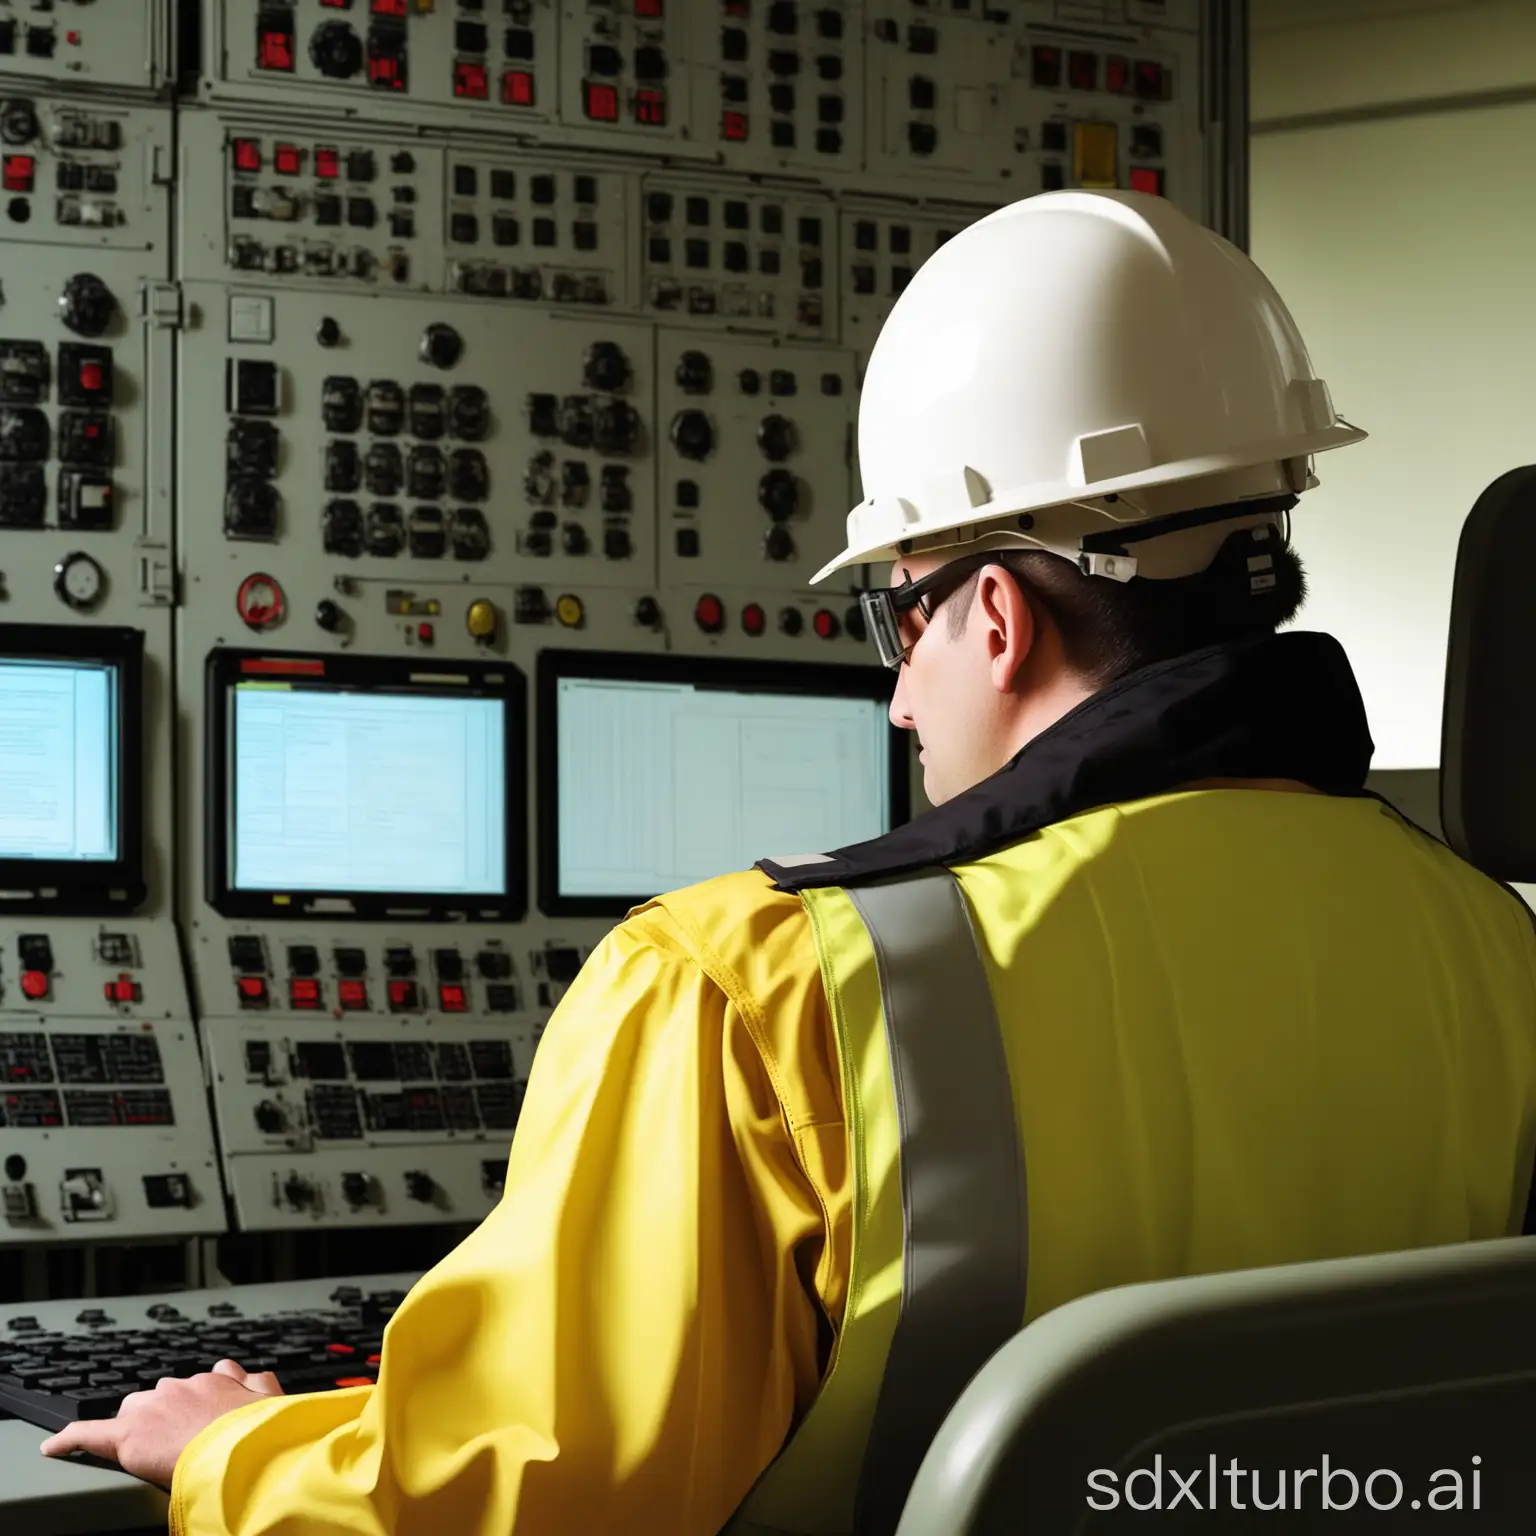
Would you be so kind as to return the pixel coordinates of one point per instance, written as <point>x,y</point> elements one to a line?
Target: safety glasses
<point>884,606</point>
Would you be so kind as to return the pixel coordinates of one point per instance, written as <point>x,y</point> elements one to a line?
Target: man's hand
<point>153,1428</point>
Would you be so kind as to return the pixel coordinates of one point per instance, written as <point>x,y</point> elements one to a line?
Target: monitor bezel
<point>88,887</point>
<point>226,666</point>
<point>735,673</point>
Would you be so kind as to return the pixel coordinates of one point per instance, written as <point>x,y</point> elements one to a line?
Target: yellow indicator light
<point>481,619</point>
<point>569,611</point>
<point>1095,160</point>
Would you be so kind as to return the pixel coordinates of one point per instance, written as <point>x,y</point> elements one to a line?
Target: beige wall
<point>1405,243</point>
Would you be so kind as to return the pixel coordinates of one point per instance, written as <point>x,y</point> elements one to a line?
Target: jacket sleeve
<point>622,1345</point>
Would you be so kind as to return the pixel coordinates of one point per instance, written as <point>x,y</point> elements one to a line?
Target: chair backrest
<point>1398,1377</point>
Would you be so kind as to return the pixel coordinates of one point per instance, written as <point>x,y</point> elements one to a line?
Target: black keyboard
<point>51,1378</point>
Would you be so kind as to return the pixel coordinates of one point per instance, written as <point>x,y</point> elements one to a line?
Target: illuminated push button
<point>480,621</point>
<point>353,995</point>
<point>402,996</point>
<point>303,992</point>
<point>252,990</point>
<point>124,990</point>
<point>1146,178</point>
<point>569,610</point>
<point>1095,154</point>
<point>709,613</point>
<point>753,619</point>
<point>34,984</point>
<point>425,633</point>
<point>451,996</point>
<point>825,624</point>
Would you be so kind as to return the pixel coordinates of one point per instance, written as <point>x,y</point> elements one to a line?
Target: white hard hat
<point>1095,360</point>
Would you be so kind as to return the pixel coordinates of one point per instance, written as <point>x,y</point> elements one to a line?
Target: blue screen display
<point>367,792</point>
<point>59,760</point>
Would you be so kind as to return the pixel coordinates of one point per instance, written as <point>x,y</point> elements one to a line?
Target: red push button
<point>517,88</point>
<point>124,990</point>
<point>825,624</point>
<point>303,992</point>
<point>1145,178</point>
<point>452,998</point>
<point>287,159</point>
<point>353,994</point>
<point>19,170</point>
<point>753,619</point>
<point>253,991</point>
<point>709,613</point>
<point>34,984</point>
<point>247,154</point>
<point>402,994</point>
<point>92,377</point>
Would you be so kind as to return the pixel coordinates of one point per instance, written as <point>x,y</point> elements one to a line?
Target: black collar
<point>1277,707</point>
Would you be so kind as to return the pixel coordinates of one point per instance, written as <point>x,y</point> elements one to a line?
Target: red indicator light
<point>353,994</point>
<point>270,666</point>
<point>825,624</point>
<point>1045,66</point>
<point>72,38</point>
<point>124,990</point>
<point>1117,75</point>
<point>19,170</point>
<point>426,633</point>
<point>452,999</point>
<point>335,5</point>
<point>252,989</point>
<point>602,102</point>
<point>402,994</point>
<point>354,1381</point>
<point>1146,179</point>
<point>1151,80</point>
<point>287,159</point>
<point>753,619</point>
<point>340,1349</point>
<point>304,992</point>
<point>374,1359</point>
<point>387,73</point>
<point>517,88</point>
<point>648,8</point>
<point>733,125</point>
<point>1083,71</point>
<point>388,7</point>
<point>247,154</point>
<point>274,50</point>
<point>328,164</point>
<point>91,377</point>
<point>709,612</point>
<point>471,81</point>
<point>651,108</point>
<point>34,984</point>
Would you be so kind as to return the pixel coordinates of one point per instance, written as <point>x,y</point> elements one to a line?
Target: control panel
<point>122,45</point>
<point>104,1124</point>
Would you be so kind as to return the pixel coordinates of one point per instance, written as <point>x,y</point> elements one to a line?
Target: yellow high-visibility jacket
<point>1240,1027</point>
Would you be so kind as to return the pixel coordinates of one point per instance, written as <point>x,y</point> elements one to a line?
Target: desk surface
<point>41,1496</point>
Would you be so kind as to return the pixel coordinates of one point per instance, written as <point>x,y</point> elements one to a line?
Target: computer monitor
<point>656,772</point>
<point>71,812</point>
<point>365,786</point>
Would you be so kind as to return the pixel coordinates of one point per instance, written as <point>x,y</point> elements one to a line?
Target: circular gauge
<point>79,581</point>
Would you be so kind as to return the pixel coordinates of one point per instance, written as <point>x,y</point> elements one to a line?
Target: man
<point>1154,991</point>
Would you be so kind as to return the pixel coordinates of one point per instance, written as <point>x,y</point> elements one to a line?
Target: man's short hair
<point>1109,628</point>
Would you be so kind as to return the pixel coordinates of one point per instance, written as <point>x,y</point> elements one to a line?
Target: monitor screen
<point>70,709</point>
<point>370,785</point>
<point>658,772</point>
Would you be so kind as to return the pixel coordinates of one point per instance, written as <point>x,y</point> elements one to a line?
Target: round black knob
<point>442,346</point>
<point>853,622</point>
<point>336,51</point>
<point>15,1167</point>
<point>86,305</point>
<point>605,367</point>
<point>791,621</point>
<point>779,543</point>
<point>269,1118</point>
<point>328,616</point>
<point>573,539</point>
<point>695,376</point>
<point>328,333</point>
<point>749,380</point>
<point>648,612</point>
<point>778,493</point>
<point>18,122</point>
<point>297,1191</point>
<point>419,1186</point>
<point>354,1188</point>
<point>692,435</point>
<point>615,426</point>
<point>776,437</point>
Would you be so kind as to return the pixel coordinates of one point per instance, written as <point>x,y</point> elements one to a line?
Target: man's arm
<point>622,1344</point>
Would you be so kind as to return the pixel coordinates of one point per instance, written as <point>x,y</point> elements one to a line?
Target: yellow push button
<point>481,619</point>
<point>1095,155</point>
<point>569,610</point>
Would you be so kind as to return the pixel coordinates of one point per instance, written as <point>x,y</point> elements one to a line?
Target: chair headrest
<point>1488,732</point>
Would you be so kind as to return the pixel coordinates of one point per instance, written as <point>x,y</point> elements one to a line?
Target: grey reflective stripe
<point>965,1221</point>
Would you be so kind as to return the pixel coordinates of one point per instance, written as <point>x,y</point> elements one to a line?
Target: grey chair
<point>1407,1364</point>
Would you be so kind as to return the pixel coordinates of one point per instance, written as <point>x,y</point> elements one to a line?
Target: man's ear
<point>1009,628</point>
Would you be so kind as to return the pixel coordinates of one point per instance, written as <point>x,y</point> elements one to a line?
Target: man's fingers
<point>264,1382</point>
<point>98,1436</point>
<point>230,1368</point>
